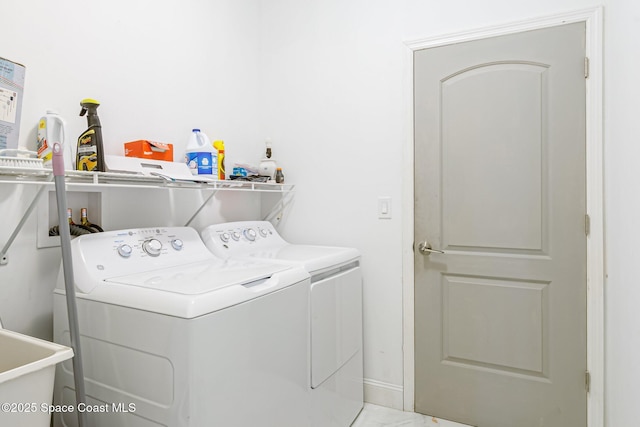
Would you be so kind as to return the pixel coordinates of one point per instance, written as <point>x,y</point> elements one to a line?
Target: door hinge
<point>587,224</point>
<point>586,67</point>
<point>587,381</point>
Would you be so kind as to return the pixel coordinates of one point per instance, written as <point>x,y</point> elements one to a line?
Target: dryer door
<point>336,323</point>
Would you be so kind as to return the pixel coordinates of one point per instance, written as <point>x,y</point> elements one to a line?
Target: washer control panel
<point>149,242</point>
<point>100,256</point>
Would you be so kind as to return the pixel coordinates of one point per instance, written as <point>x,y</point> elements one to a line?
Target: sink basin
<point>27,371</point>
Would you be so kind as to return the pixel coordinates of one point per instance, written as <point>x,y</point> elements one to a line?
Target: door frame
<point>593,19</point>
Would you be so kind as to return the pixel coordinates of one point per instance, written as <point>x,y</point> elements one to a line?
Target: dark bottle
<point>279,176</point>
<point>90,155</point>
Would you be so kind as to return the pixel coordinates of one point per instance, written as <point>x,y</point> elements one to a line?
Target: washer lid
<point>199,278</point>
<point>314,258</point>
<point>195,289</point>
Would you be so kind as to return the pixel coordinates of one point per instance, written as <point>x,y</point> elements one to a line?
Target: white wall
<point>324,79</point>
<point>158,69</point>
<point>622,204</point>
<point>333,75</point>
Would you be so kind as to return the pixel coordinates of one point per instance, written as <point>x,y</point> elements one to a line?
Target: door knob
<point>426,249</point>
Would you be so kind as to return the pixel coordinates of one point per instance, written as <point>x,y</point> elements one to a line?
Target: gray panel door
<point>500,187</point>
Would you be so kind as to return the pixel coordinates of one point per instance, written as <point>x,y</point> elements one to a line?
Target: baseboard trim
<point>383,394</point>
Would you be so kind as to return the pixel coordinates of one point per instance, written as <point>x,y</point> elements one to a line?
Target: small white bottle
<point>52,129</point>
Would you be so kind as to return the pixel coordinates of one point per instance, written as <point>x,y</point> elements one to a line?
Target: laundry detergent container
<point>27,370</point>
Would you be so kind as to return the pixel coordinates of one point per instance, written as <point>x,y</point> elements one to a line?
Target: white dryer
<point>335,301</point>
<point>173,336</point>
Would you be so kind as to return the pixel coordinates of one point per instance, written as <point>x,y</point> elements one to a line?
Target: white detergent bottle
<point>51,129</point>
<point>201,157</point>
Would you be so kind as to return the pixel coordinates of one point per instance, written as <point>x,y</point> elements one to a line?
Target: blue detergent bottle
<point>200,156</point>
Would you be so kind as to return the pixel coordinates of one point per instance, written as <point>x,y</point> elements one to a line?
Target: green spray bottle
<point>90,154</point>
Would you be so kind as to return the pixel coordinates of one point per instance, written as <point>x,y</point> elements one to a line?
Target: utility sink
<point>27,371</point>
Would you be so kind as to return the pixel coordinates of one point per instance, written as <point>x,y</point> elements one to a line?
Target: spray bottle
<point>90,155</point>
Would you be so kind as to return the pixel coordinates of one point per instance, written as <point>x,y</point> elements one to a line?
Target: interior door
<point>500,188</point>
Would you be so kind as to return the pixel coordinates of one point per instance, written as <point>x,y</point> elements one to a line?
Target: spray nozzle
<point>89,105</point>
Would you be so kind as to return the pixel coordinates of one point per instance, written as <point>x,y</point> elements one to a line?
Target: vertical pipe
<point>67,266</point>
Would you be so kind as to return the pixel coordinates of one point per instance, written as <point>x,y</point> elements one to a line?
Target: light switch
<point>384,207</point>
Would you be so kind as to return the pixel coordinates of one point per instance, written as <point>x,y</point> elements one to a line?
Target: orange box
<point>149,150</point>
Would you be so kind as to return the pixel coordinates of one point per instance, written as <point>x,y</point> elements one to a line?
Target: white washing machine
<point>173,336</point>
<point>335,301</point>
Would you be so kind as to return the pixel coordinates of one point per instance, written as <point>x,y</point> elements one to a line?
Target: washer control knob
<point>250,234</point>
<point>224,237</point>
<point>125,250</point>
<point>263,232</point>
<point>235,235</point>
<point>177,244</point>
<point>152,247</point>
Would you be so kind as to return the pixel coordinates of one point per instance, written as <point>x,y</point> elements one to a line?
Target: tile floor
<point>379,416</point>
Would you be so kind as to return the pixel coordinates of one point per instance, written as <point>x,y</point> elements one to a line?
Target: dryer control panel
<point>236,238</point>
